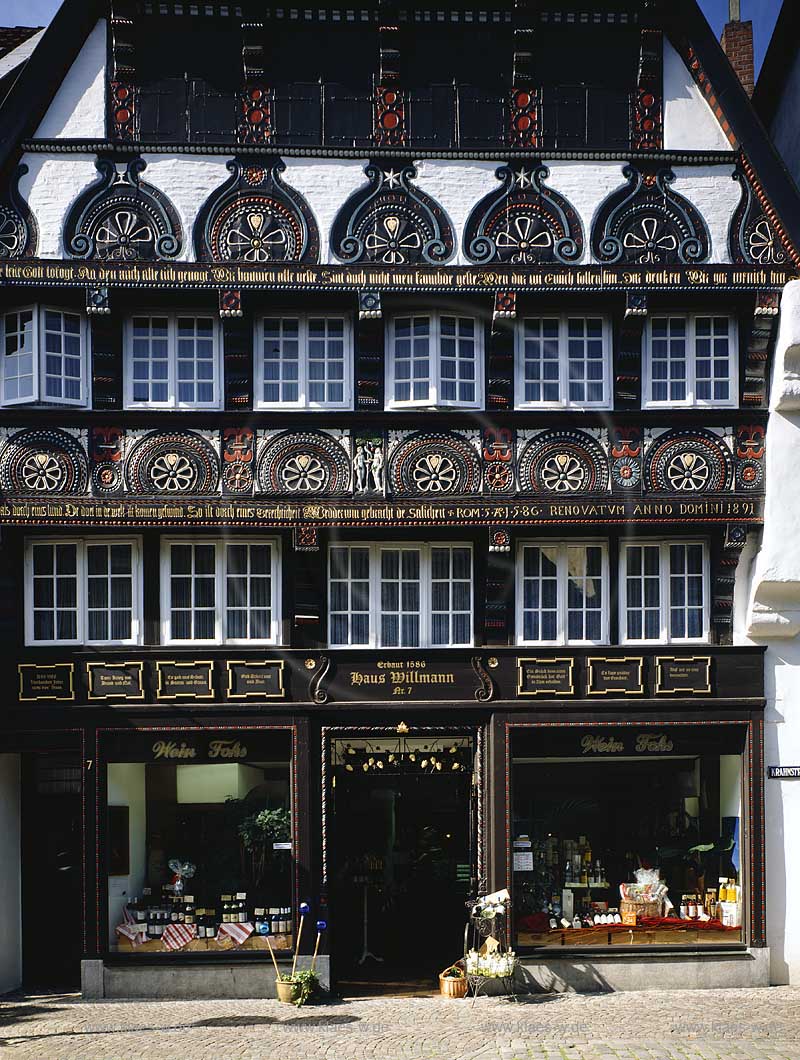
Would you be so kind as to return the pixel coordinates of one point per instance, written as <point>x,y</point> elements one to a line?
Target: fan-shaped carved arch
<point>563,462</point>
<point>434,464</point>
<point>296,463</point>
<point>43,460</point>
<point>173,463</point>
<point>688,462</point>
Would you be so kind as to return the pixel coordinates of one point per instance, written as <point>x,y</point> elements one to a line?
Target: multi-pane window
<point>303,361</point>
<point>563,362</point>
<point>434,359</point>
<point>44,357</point>
<point>691,360</point>
<point>663,591</point>
<point>172,361</point>
<point>217,591</point>
<point>398,596</point>
<point>82,592</point>
<point>562,593</point>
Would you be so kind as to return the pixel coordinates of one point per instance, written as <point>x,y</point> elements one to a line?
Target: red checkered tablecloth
<point>176,936</point>
<point>237,933</point>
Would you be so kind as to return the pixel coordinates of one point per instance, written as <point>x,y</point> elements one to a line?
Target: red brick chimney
<point>737,43</point>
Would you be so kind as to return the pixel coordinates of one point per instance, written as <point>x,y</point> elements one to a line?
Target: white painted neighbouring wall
<point>771,616</point>
<point>10,875</point>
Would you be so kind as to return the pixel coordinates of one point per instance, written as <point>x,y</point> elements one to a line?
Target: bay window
<point>44,357</point>
<point>82,592</point>
<point>398,596</point>
<point>691,360</point>
<point>562,593</point>
<point>220,591</point>
<point>303,361</point>
<point>434,359</point>
<point>563,362</point>
<point>172,360</point>
<point>664,591</point>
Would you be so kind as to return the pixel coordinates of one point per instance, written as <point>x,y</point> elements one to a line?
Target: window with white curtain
<point>691,360</point>
<point>563,362</point>
<point>303,361</point>
<point>400,596</point>
<point>664,591</point>
<point>434,359</point>
<point>220,591</point>
<point>45,357</point>
<point>562,592</point>
<point>172,360</point>
<point>82,591</point>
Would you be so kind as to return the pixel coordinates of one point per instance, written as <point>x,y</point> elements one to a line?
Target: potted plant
<point>453,981</point>
<point>295,988</point>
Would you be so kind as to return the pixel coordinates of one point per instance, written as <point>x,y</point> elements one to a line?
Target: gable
<point>78,107</point>
<point>689,122</point>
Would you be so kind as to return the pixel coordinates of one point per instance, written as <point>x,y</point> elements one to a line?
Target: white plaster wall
<point>78,108</point>
<point>54,182</point>
<point>126,788</point>
<point>10,875</point>
<point>771,581</point>
<point>689,122</point>
<point>785,129</point>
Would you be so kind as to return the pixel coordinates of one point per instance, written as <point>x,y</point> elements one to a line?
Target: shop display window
<point>630,836</point>
<point>198,841</point>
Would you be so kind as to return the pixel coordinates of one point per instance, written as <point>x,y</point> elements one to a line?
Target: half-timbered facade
<point>383,406</point>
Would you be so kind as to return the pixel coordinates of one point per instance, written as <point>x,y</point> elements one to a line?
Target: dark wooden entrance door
<point>401,871</point>
<point>52,913</point>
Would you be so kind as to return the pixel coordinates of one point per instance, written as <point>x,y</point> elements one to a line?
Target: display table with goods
<point>489,961</point>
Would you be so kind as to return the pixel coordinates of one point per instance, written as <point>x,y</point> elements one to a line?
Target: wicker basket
<point>640,908</point>
<point>452,987</point>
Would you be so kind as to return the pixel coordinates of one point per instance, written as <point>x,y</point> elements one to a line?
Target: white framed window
<point>400,596</point>
<point>563,362</point>
<point>45,357</point>
<point>172,360</point>
<point>434,359</point>
<point>220,591</point>
<point>691,360</point>
<point>304,361</point>
<point>82,591</point>
<point>562,592</point>
<point>664,591</point>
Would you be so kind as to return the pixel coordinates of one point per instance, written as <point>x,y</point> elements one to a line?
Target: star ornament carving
<point>392,178</point>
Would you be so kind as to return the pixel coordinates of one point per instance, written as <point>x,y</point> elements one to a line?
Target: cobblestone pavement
<point>674,1025</point>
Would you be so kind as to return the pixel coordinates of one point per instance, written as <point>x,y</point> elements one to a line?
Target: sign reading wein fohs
<point>643,743</point>
<point>214,750</point>
<point>193,679</point>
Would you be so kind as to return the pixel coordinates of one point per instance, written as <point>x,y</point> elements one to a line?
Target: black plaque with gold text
<point>545,677</point>
<point>623,676</point>
<point>185,680</point>
<point>54,681</point>
<point>259,679</point>
<point>683,675</point>
<point>118,680</point>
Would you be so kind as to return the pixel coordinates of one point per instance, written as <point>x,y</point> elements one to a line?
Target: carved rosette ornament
<point>254,217</point>
<point>434,464</point>
<point>688,462</point>
<point>753,238</point>
<point>41,462</point>
<point>645,222</point>
<point>175,463</point>
<point>524,222</point>
<point>391,221</point>
<point>563,462</point>
<point>18,231</point>
<point>297,464</point>
<point>121,218</point>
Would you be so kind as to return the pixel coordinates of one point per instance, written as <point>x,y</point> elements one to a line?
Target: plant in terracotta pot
<point>297,987</point>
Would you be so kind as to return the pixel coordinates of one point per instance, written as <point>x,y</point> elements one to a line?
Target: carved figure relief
<point>255,217</point>
<point>305,462</point>
<point>645,222</point>
<point>563,462</point>
<point>433,464</point>
<point>688,462</point>
<point>524,222</point>
<point>43,461</point>
<point>172,463</point>
<point>369,466</point>
<point>121,218</point>
<point>391,221</point>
